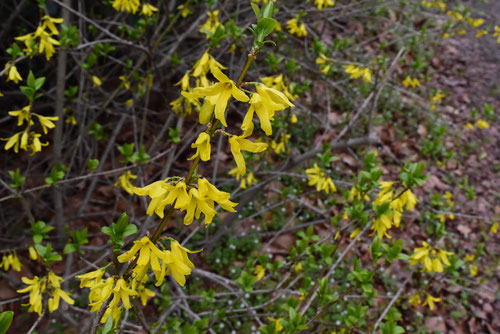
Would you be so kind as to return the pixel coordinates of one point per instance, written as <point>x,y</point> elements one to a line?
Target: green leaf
<point>5,321</point>
<point>31,80</point>
<point>70,248</point>
<point>256,10</point>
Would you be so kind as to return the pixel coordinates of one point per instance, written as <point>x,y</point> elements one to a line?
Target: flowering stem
<point>250,59</point>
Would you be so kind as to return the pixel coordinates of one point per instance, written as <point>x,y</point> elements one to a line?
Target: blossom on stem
<point>239,143</point>
<point>202,145</point>
<point>216,97</point>
<point>179,264</point>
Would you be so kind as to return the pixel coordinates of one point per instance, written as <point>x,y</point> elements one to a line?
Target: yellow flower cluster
<point>246,181</point>
<point>48,284</point>
<point>199,199</point>
<point>296,28</point>
<point>324,64</point>
<point>45,41</point>
<point>173,262</point>
<point>319,178</point>
<point>129,6</point>
<point>281,145</point>
<point>10,260</point>
<point>411,82</point>
<point>434,4</point>
<point>406,201</point>
<point>29,139</point>
<point>211,24</point>
<point>429,300</point>
<point>430,258</point>
<point>320,4</point>
<point>356,72</point>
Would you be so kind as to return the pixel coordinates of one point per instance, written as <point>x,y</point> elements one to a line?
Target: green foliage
<point>5,321</point>
<point>78,239</point>
<point>56,174</point>
<point>17,179</point>
<point>47,253</point>
<point>39,231</point>
<point>119,230</point>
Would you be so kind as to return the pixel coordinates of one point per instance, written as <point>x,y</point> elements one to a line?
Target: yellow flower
<point>144,293</point>
<point>473,270</point>
<point>202,145</point>
<point>216,97</point>
<point>18,140</point>
<point>356,72</point>
<point>413,82</point>
<point>429,300</point>
<point>494,228</point>
<point>415,300</point>
<point>475,23</point>
<point>481,32</point>
<point>48,22</point>
<point>149,255</point>
<point>91,278</point>
<point>205,63</point>
<point>148,9</point>
<point>431,259</point>
<point>22,115</point>
<point>124,182</point>
<point>129,6</point>
<point>158,191</point>
<point>318,178</point>
<point>239,143</point>
<point>11,260</point>
<point>355,233</point>
<point>277,326</point>
<point>469,126</point>
<point>185,11</point>
<point>324,64</point>
<point>46,122</point>
<point>179,264</point>
<point>211,24</point>
<point>294,119</point>
<point>50,283</point>
<point>497,33</point>
<point>33,253</point>
<point>280,146</point>
<point>296,28</point>
<point>35,288</point>
<point>184,82</point>
<point>409,199</point>
<point>323,3</point>
<point>260,272</point>
<point>265,103</point>
<point>482,124</point>
<point>96,80</point>
<point>381,225</point>
<point>12,73</point>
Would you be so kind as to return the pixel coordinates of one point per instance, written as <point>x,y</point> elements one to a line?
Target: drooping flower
<point>148,9</point>
<point>431,259</point>
<point>46,122</point>
<point>129,6</point>
<point>320,4</point>
<point>317,177</point>
<point>296,28</point>
<point>216,97</point>
<point>430,300</point>
<point>149,256</point>
<point>202,145</point>
<point>409,81</point>
<point>239,143</point>
<point>124,182</point>
<point>265,102</point>
<point>11,260</point>
<point>12,73</point>
<point>356,72</point>
<point>179,264</point>
<point>158,191</point>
